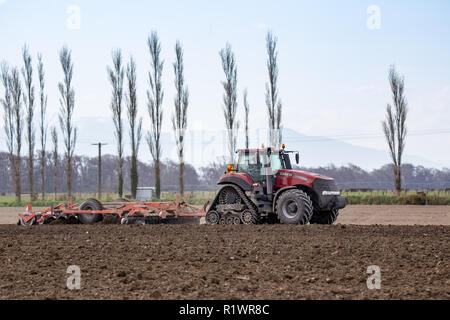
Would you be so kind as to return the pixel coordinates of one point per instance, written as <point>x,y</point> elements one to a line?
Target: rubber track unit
<point>249,204</point>
<point>306,201</point>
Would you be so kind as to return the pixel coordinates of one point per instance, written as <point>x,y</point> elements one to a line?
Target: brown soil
<point>10,215</point>
<point>224,262</point>
<point>395,215</point>
<point>352,214</point>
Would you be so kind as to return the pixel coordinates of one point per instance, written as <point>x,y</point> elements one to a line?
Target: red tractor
<point>263,187</point>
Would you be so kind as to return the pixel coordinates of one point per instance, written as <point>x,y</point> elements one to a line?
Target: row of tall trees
<point>230,104</point>
<point>19,106</point>
<point>394,126</point>
<point>155,96</point>
<point>118,74</point>
<point>205,178</point>
<point>84,174</point>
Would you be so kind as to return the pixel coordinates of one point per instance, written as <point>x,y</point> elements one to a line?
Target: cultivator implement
<point>92,210</point>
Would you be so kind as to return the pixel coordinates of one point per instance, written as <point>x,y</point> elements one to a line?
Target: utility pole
<point>99,169</point>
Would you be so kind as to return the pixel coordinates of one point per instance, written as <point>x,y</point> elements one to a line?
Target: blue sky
<point>333,68</point>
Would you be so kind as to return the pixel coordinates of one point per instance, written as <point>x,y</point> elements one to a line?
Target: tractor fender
<point>282,190</point>
<point>229,179</point>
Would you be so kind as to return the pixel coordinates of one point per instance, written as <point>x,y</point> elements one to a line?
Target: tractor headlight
<point>331,193</point>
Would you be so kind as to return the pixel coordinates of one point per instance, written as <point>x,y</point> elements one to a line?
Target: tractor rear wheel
<point>89,218</point>
<point>294,207</point>
<point>324,217</point>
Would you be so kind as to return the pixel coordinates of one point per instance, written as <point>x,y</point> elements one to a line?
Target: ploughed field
<point>224,262</point>
<point>352,214</point>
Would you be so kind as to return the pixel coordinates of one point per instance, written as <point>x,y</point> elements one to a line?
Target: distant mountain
<point>203,147</point>
<point>320,151</point>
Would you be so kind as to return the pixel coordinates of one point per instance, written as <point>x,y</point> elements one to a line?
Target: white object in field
<point>331,193</point>
<point>144,193</point>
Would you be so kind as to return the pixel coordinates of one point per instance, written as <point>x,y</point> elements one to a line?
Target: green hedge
<point>199,198</point>
<point>405,198</point>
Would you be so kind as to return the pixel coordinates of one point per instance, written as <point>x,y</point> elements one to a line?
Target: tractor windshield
<point>276,162</point>
<point>251,162</point>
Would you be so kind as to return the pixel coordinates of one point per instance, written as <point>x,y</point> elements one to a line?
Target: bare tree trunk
<point>157,178</point>
<point>179,118</point>
<point>134,177</point>
<point>230,98</point>
<point>120,177</point>
<point>273,103</point>
<point>181,179</point>
<point>16,94</point>
<point>43,126</point>
<point>9,121</point>
<point>398,181</point>
<point>42,172</point>
<point>17,178</point>
<point>28,97</point>
<point>116,75</point>
<point>155,98</point>
<point>394,126</point>
<point>135,125</point>
<point>54,135</point>
<point>66,111</point>
<point>69,178</point>
<point>247,110</point>
<point>30,170</point>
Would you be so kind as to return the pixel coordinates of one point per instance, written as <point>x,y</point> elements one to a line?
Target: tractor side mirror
<point>297,158</point>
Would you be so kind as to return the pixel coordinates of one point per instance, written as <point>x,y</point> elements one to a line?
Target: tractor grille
<point>321,185</point>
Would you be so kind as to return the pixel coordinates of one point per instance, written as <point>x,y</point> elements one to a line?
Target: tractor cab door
<point>277,162</point>
<point>287,161</point>
<point>249,162</point>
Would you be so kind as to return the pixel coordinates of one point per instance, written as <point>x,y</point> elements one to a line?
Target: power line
<point>99,169</point>
<point>365,136</point>
<point>349,136</point>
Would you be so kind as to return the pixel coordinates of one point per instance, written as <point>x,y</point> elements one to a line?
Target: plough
<point>92,211</point>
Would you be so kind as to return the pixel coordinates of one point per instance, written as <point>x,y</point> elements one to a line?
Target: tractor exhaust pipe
<point>269,183</point>
<point>267,171</point>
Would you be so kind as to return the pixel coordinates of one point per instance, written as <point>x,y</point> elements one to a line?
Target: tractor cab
<point>257,162</point>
